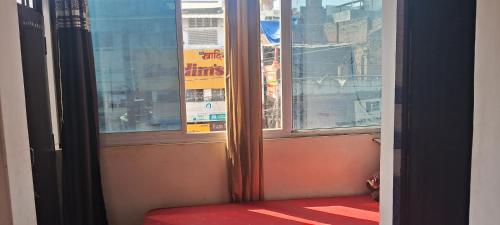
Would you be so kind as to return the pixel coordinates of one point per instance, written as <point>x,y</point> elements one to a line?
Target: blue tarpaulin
<point>272,30</point>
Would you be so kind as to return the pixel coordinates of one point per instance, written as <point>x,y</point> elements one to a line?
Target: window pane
<point>336,63</point>
<point>137,66</point>
<point>203,30</point>
<point>270,13</point>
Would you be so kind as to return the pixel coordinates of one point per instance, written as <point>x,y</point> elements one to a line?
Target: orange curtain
<point>244,100</point>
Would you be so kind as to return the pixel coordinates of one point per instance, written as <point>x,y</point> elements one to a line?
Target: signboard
<point>204,68</point>
<point>342,16</point>
<point>198,128</point>
<point>205,111</point>
<point>206,127</point>
<point>217,126</point>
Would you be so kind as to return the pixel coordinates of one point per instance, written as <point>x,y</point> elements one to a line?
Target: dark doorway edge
<point>434,103</point>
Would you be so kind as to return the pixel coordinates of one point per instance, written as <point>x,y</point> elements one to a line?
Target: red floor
<point>359,210</point>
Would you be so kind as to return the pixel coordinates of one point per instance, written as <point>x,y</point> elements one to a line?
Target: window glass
<point>136,62</point>
<point>218,94</point>
<point>203,31</point>
<point>336,63</point>
<point>270,13</point>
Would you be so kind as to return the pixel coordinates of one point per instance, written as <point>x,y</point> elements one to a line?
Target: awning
<point>271,30</point>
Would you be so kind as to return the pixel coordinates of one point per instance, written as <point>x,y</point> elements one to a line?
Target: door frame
<point>434,102</point>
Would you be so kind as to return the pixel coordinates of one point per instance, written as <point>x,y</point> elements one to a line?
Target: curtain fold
<point>83,202</point>
<point>244,100</point>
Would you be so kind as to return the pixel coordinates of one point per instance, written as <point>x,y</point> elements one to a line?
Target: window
<point>320,60</point>
<point>137,66</point>
<point>336,63</point>
<point>218,94</point>
<point>194,95</point>
<point>372,106</point>
<point>203,37</point>
<point>103,40</point>
<point>271,63</point>
<point>203,28</point>
<point>202,22</point>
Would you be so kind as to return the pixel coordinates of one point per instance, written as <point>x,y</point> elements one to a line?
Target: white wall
<point>50,73</point>
<point>485,184</point>
<point>137,179</point>
<point>388,89</point>
<point>17,205</point>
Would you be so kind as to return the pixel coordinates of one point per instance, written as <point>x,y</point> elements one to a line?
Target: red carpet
<point>359,210</point>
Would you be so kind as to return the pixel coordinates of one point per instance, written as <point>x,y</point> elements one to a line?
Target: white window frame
<point>286,130</point>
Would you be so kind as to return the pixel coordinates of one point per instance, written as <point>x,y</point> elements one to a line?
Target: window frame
<point>286,131</point>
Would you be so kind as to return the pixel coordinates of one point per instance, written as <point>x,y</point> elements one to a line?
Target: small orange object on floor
<point>358,210</point>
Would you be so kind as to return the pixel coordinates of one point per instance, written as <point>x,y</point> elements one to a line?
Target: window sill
<point>168,137</point>
<point>159,137</point>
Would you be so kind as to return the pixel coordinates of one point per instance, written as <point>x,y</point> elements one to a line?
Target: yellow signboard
<point>204,68</point>
<point>198,128</point>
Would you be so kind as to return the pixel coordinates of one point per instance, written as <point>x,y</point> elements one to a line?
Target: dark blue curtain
<point>83,202</point>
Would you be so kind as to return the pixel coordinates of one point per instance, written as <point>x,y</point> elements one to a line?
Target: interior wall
<point>5,212</point>
<point>390,16</point>
<point>137,179</point>
<point>311,167</point>
<point>16,185</point>
<point>485,181</point>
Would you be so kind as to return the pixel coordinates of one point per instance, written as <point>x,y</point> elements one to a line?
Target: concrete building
<point>132,69</point>
<point>204,65</point>
<point>336,59</point>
